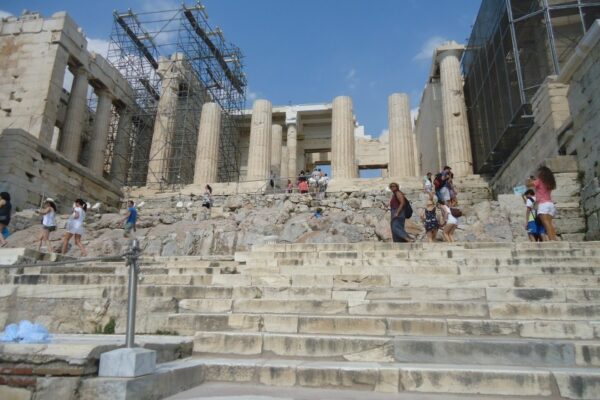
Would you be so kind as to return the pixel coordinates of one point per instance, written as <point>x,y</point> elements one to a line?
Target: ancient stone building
<point>52,142</point>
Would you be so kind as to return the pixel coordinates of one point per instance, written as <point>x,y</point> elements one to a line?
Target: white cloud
<point>428,48</point>
<point>351,78</point>
<point>4,14</point>
<point>98,46</point>
<point>252,95</point>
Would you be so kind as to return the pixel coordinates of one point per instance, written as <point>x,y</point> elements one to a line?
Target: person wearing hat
<point>398,204</point>
<point>48,211</point>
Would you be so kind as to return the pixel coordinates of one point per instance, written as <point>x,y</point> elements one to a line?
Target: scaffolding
<point>514,46</point>
<point>175,62</point>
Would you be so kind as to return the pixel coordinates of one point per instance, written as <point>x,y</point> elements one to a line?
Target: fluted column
<point>456,127</point>
<point>401,150</point>
<point>259,157</point>
<point>70,141</point>
<point>342,139</point>
<point>164,128</point>
<point>207,150</point>
<point>120,157</point>
<point>285,164</point>
<point>276,139</point>
<point>292,143</point>
<point>100,132</point>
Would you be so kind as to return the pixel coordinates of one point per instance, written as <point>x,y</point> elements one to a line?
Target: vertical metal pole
<point>513,35</point>
<point>132,292</point>
<point>550,31</point>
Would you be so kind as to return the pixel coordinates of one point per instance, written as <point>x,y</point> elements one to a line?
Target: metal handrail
<point>131,257</point>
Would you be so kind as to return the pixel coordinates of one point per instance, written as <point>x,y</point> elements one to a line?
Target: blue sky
<point>310,51</point>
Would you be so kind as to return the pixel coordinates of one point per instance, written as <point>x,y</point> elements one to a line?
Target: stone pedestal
<point>164,129</point>
<point>456,127</point>
<point>100,133</point>
<point>127,363</point>
<point>292,140</point>
<point>401,147</point>
<point>120,158</point>
<point>276,139</point>
<point>70,142</point>
<point>259,157</point>
<point>342,140</point>
<point>207,152</point>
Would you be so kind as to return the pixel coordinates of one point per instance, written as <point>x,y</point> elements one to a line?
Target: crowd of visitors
<point>441,211</point>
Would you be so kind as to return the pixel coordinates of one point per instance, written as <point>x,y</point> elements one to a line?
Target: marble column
<point>401,148</point>
<point>164,129</point>
<point>342,140</point>
<point>292,148</point>
<point>276,139</point>
<point>207,150</point>
<point>70,141</point>
<point>456,127</point>
<point>121,149</point>
<point>285,165</point>
<point>259,157</point>
<point>100,132</point>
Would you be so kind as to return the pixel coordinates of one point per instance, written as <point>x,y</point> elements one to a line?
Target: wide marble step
<point>190,323</point>
<point>482,380</point>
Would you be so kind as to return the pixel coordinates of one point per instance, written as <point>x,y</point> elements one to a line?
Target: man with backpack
<point>440,184</point>
<point>400,210</point>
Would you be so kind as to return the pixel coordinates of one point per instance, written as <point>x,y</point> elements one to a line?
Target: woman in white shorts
<point>75,227</point>
<point>48,224</point>
<point>543,185</point>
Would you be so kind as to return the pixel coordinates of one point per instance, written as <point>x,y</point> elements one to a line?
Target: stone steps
<point>550,277</point>
<point>190,323</point>
<point>420,350</point>
<point>482,380</point>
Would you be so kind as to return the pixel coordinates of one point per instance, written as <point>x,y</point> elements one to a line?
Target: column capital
<point>291,117</point>
<point>102,92</point>
<point>79,70</point>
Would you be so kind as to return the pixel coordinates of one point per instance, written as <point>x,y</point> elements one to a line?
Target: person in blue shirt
<point>130,218</point>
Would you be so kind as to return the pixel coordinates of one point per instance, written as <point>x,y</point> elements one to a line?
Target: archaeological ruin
<point>267,287</point>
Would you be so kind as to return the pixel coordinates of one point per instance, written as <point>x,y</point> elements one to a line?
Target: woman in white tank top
<point>75,227</point>
<point>48,210</point>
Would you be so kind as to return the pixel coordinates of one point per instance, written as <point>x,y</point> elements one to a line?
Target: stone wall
<point>550,111</point>
<point>30,170</point>
<point>583,74</point>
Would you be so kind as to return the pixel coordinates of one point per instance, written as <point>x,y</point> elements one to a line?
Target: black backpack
<point>408,211</point>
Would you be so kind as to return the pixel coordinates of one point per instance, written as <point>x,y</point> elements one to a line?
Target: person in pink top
<point>544,184</point>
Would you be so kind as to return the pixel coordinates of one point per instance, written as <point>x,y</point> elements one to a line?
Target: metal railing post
<point>132,263</point>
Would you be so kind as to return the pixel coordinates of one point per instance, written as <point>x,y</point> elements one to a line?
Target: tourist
<point>441,191</point>
<point>48,211</point>
<point>323,182</point>
<point>451,187</point>
<point>303,186</point>
<point>430,220</point>
<point>75,227</point>
<point>290,186</point>
<point>451,221</point>
<point>428,185</point>
<point>130,218</point>
<point>398,207</point>
<point>272,180</point>
<point>535,230</point>
<point>207,199</point>
<point>544,184</point>
<point>5,209</point>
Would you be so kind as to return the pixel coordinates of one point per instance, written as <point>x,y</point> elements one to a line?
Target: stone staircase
<point>482,319</point>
